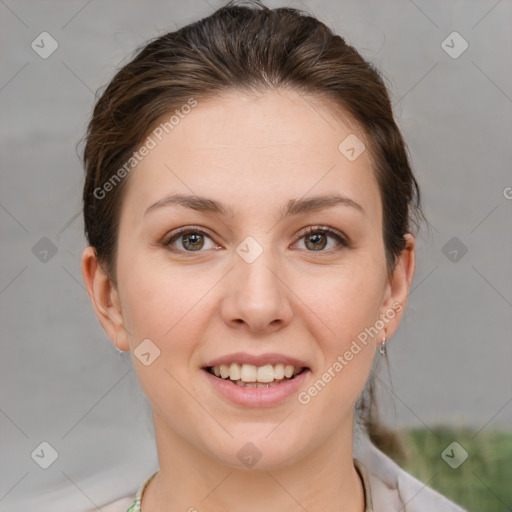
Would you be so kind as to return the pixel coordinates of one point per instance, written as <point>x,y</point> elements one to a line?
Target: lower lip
<point>256,397</point>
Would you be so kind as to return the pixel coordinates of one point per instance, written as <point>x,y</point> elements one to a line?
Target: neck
<point>188,479</point>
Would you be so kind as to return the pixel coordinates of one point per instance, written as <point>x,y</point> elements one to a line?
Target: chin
<point>255,452</point>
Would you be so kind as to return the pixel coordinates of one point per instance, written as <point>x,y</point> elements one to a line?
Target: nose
<point>256,296</point>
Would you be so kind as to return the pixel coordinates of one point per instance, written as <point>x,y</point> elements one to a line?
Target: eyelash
<point>309,230</point>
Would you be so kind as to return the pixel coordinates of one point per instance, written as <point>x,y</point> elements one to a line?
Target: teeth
<point>279,371</point>
<point>248,373</point>
<point>288,371</point>
<point>235,371</point>
<point>265,373</point>
<point>224,371</point>
<point>243,384</point>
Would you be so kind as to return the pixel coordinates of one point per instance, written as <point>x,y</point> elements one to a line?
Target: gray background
<point>62,381</point>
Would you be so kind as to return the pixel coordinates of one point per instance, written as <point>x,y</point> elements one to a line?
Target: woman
<point>249,207</point>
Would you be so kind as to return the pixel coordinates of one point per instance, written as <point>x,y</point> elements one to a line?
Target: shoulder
<point>392,488</point>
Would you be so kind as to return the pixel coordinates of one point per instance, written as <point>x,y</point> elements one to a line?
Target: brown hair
<point>248,48</point>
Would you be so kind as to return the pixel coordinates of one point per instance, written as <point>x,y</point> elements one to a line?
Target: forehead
<point>245,149</point>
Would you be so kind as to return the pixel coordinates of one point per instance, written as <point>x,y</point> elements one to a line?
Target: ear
<point>105,299</point>
<point>397,288</point>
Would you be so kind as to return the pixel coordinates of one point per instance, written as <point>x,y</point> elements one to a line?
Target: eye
<point>189,240</point>
<point>316,239</point>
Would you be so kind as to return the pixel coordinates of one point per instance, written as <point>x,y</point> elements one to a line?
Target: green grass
<point>483,482</point>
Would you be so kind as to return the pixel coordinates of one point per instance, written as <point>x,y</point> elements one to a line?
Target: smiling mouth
<point>250,376</point>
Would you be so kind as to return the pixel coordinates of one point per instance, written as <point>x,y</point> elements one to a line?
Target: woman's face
<point>247,283</point>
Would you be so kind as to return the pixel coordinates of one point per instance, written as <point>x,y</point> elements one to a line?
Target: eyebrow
<point>293,207</point>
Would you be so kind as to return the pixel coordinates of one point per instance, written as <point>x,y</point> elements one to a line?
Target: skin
<point>253,154</point>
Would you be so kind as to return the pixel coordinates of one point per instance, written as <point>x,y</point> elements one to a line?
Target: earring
<point>382,346</point>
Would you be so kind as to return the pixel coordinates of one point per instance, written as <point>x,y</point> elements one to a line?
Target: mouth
<point>251,376</point>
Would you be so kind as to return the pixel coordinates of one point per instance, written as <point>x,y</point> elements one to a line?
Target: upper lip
<point>257,360</point>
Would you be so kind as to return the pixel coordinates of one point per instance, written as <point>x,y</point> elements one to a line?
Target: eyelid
<point>342,239</point>
<point>175,234</point>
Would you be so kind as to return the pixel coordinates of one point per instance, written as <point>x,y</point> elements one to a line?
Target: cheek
<point>164,304</point>
<point>165,308</point>
<point>347,299</point>
<point>348,305</point>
